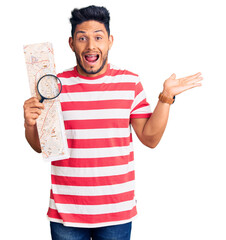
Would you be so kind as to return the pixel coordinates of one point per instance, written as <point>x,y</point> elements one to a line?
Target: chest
<point>94,107</point>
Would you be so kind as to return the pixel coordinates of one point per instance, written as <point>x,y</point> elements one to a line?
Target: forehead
<point>90,27</point>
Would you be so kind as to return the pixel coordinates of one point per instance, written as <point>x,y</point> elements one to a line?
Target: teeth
<point>92,55</point>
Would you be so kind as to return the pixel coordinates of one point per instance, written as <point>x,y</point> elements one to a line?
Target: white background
<point>180,185</point>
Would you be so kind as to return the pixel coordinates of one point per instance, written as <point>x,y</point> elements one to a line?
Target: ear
<point>70,41</point>
<point>110,40</point>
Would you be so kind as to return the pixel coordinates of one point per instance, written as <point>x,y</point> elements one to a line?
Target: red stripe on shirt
<point>96,123</point>
<point>115,72</point>
<point>92,200</point>
<point>99,143</point>
<point>109,72</point>
<point>85,87</point>
<point>93,105</point>
<point>93,181</point>
<point>145,115</point>
<point>67,74</point>
<point>141,104</point>
<point>92,218</point>
<point>93,162</point>
<point>138,89</point>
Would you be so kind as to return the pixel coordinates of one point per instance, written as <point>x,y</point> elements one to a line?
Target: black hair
<point>99,14</point>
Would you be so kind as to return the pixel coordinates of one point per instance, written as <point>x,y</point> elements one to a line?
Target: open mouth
<point>91,58</point>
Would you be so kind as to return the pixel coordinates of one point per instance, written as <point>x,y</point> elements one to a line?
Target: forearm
<point>32,137</point>
<point>150,131</point>
<point>156,124</point>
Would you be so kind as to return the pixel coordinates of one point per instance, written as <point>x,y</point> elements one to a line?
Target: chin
<point>93,69</point>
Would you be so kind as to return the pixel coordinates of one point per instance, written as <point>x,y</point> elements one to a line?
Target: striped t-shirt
<point>95,186</point>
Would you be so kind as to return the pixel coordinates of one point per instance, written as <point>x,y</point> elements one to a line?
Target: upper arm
<point>138,126</point>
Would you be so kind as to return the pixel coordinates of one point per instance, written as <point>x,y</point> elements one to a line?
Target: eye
<point>82,39</point>
<point>98,38</point>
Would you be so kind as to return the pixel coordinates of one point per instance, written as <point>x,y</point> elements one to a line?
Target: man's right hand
<point>32,110</point>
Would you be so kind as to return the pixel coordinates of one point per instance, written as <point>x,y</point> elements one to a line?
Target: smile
<point>91,58</point>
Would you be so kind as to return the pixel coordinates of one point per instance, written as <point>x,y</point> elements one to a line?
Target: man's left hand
<point>173,86</point>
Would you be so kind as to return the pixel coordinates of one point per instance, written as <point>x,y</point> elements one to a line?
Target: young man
<point>92,192</point>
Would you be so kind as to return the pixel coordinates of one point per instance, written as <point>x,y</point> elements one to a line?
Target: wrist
<point>166,97</point>
<point>29,126</point>
<point>166,92</point>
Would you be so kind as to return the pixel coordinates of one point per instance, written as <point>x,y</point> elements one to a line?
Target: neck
<point>91,73</point>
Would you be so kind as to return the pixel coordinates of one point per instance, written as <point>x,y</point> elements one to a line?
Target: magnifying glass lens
<point>49,87</point>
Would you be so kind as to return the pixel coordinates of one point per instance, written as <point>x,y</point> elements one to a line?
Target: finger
<point>195,80</point>
<point>191,76</point>
<point>35,110</point>
<point>173,76</point>
<point>31,120</point>
<point>188,87</point>
<point>29,112</point>
<point>32,99</point>
<point>32,116</point>
<point>37,105</point>
<point>193,85</point>
<point>33,103</point>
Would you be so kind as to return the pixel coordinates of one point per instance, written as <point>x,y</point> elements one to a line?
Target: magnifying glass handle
<point>42,99</point>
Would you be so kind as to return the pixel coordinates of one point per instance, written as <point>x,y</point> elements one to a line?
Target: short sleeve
<point>140,107</point>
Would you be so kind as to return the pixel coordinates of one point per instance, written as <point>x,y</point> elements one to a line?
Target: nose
<point>91,44</point>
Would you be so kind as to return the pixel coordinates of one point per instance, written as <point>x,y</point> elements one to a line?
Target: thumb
<point>173,76</point>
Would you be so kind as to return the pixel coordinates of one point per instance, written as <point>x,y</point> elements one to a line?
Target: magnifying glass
<point>49,87</point>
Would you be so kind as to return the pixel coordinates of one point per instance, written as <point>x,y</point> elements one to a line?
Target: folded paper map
<point>40,61</point>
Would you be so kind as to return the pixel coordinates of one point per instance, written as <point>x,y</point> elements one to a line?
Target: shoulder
<point>116,71</point>
<point>67,73</point>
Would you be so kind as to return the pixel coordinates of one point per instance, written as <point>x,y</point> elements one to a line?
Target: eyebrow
<point>80,32</point>
<point>85,32</point>
<point>98,31</point>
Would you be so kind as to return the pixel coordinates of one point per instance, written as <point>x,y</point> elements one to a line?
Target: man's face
<point>91,44</point>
